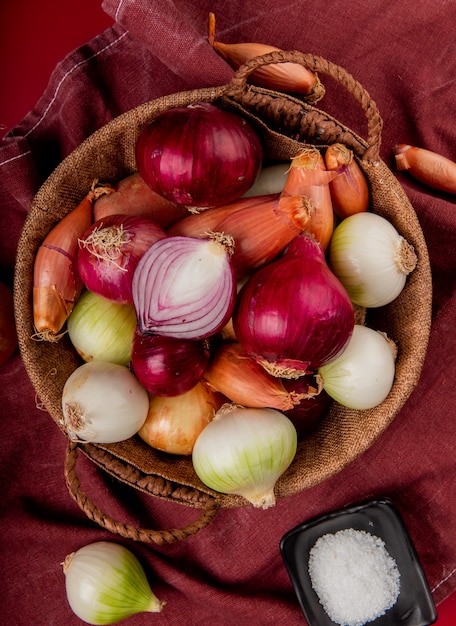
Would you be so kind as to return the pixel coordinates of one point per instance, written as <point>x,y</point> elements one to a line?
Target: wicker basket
<point>284,124</point>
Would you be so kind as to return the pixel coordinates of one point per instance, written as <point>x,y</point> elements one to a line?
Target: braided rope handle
<point>238,86</point>
<point>126,530</point>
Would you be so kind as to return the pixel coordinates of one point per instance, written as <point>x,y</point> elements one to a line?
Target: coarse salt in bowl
<point>357,566</point>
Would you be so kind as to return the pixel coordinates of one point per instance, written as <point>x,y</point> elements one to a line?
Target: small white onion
<point>102,330</point>
<point>362,376</point>
<point>371,259</point>
<point>271,179</point>
<point>103,402</point>
<point>105,583</point>
<point>244,451</point>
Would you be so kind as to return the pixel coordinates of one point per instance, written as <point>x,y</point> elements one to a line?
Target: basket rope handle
<point>126,530</point>
<point>238,85</point>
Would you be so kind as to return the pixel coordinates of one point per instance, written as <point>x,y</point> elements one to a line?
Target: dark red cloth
<point>232,572</point>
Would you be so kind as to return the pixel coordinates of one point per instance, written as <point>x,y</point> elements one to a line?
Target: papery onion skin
<point>198,224</point>
<point>371,259</point>
<point>289,77</point>
<point>244,451</point>
<point>184,287</point>
<point>174,423</point>
<point>56,281</point>
<point>349,190</point>
<point>166,366</point>
<point>309,178</point>
<point>106,583</point>
<point>313,406</point>
<point>199,155</point>
<point>109,252</point>
<point>431,168</point>
<point>133,196</point>
<point>294,315</point>
<point>362,377</point>
<point>102,330</point>
<point>234,373</point>
<point>103,403</point>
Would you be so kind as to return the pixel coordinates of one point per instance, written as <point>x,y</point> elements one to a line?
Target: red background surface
<point>34,37</point>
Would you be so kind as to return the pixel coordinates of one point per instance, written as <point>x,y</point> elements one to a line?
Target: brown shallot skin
<point>430,168</point>
<point>288,77</point>
<point>198,224</point>
<point>56,281</point>
<point>309,179</point>
<point>132,196</point>
<point>349,190</point>
<point>232,372</point>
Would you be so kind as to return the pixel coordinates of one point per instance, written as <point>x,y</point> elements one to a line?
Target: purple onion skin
<point>310,411</point>
<point>294,312</point>
<point>156,308</point>
<point>199,156</point>
<point>112,279</point>
<point>166,366</point>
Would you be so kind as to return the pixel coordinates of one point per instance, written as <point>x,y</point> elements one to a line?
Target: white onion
<point>371,259</point>
<point>271,179</point>
<point>105,583</point>
<point>362,376</point>
<point>244,451</point>
<point>103,402</point>
<point>102,330</point>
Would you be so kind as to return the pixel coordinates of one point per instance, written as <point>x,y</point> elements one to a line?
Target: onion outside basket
<point>285,124</point>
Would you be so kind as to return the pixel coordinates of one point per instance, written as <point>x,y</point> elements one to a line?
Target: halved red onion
<point>294,314</point>
<point>166,366</point>
<point>185,287</point>
<point>109,252</point>
<point>199,155</point>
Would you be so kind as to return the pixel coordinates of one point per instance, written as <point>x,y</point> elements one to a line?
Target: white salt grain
<point>354,577</point>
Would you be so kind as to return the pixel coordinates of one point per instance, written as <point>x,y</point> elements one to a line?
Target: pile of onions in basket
<point>224,333</point>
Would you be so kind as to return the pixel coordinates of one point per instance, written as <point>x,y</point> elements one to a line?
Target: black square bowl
<point>414,605</point>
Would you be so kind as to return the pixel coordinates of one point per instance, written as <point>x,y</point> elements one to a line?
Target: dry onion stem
<point>288,77</point>
<point>56,282</point>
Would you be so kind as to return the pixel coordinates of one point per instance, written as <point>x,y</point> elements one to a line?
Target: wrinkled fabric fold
<point>232,572</point>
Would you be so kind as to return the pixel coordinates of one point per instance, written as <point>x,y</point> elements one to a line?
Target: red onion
<point>199,155</point>
<point>294,314</point>
<point>166,366</point>
<point>309,412</point>
<point>185,287</point>
<point>109,252</point>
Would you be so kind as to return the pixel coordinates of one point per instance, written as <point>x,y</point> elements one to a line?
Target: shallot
<point>289,77</point>
<point>349,190</point>
<point>431,168</point>
<point>56,281</point>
